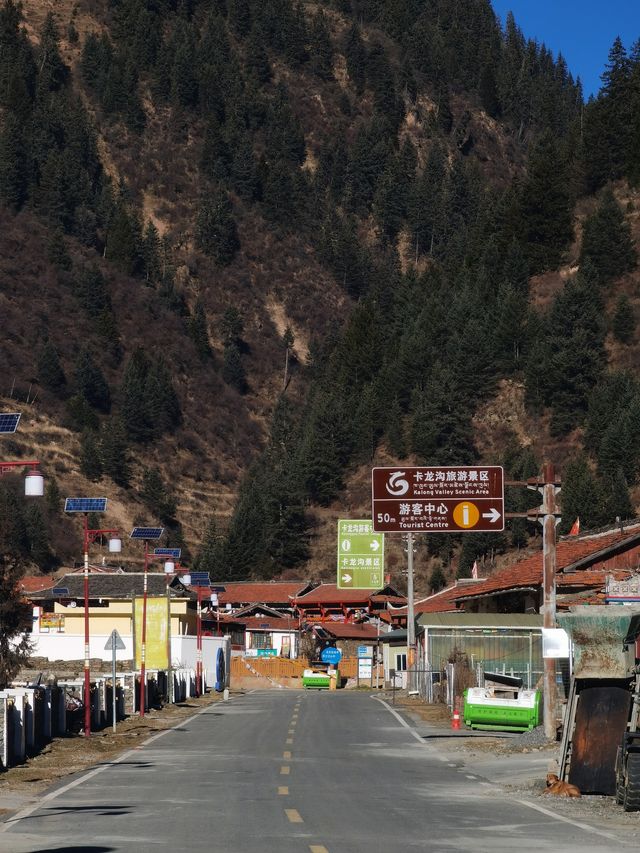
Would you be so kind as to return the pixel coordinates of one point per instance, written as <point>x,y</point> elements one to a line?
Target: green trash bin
<point>484,710</point>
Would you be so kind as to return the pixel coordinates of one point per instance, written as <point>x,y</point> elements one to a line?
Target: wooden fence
<point>283,667</point>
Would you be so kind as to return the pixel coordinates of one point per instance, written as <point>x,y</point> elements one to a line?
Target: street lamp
<point>85,506</point>
<point>34,481</point>
<point>147,534</point>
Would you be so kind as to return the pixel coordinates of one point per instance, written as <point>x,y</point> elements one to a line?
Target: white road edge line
<point>584,826</point>
<point>11,822</point>
<point>402,722</point>
<point>541,809</point>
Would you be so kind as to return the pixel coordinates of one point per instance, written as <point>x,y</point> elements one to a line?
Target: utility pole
<point>411,626</point>
<point>549,487</point>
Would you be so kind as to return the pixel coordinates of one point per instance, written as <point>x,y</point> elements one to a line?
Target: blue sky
<point>582,30</point>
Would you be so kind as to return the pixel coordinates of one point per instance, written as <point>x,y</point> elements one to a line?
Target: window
<point>260,640</point>
<point>401,663</point>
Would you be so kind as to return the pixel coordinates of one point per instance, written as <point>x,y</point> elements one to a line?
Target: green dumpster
<point>317,679</point>
<point>484,710</point>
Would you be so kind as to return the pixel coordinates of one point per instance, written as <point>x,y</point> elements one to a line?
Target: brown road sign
<point>438,500</point>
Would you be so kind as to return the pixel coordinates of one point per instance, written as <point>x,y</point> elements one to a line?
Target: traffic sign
<point>360,555</point>
<point>452,499</point>
<point>114,642</point>
<point>330,655</point>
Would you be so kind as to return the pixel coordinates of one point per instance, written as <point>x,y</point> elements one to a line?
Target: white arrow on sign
<point>375,545</point>
<point>494,515</point>
<point>346,578</point>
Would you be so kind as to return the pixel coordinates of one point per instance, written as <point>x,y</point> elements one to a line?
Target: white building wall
<point>67,647</point>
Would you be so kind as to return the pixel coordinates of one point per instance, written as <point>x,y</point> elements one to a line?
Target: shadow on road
<point>102,810</point>
<point>82,848</point>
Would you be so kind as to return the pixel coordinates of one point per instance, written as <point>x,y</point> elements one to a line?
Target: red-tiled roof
<point>268,623</point>
<point>349,631</point>
<point>443,601</point>
<point>328,593</point>
<point>528,572</point>
<point>278,592</point>
<point>36,583</point>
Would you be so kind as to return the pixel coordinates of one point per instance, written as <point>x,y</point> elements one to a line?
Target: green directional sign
<point>360,555</point>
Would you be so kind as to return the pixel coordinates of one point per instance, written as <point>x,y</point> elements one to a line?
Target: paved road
<point>291,772</point>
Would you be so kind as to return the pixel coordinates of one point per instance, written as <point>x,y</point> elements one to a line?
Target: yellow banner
<point>156,651</point>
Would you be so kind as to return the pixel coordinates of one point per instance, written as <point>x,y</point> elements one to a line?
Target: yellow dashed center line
<point>291,732</point>
<point>289,740</point>
<point>318,848</point>
<point>286,754</point>
<point>283,791</point>
<point>293,815</point>
<point>284,770</point>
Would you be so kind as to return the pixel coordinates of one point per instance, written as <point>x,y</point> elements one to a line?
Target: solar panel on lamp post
<point>146,534</point>
<point>85,506</point>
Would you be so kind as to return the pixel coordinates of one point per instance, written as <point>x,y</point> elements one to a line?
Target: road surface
<point>292,772</point>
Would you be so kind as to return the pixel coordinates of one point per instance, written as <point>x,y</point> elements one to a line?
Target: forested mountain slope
<point>251,247</point>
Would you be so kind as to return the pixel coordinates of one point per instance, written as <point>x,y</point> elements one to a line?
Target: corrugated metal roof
<point>480,620</point>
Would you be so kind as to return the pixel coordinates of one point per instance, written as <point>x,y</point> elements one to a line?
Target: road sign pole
<point>411,626</point>
<point>113,679</point>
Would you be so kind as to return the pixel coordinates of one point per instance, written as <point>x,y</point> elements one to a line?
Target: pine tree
<point>90,461</point>
<point>198,330</point>
<point>321,48</point>
<point>606,240</point>
<point>157,497</point>
<point>79,415</point>
<point>546,206</point>
<point>437,580</point>
<point>216,230</point>
<point>52,72</point>
<point>209,556</point>
<point>356,57</point>
<point>52,496</point>
<point>57,253</point>
<point>619,504</point>
<point>13,163</point>
<point>582,496</point>
<point>91,383</point>
<point>15,617</point>
<point>233,371</point>
<point>114,451</point>
<point>50,372</point>
<point>623,324</point>
<point>488,91</point>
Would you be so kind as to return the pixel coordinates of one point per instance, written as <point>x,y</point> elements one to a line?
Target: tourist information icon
<point>360,555</point>
<point>438,500</point>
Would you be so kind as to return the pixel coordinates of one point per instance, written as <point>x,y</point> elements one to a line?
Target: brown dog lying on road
<point>560,789</point>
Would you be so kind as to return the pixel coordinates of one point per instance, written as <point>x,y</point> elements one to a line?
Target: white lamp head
<point>34,484</point>
<point>186,580</point>
<point>169,567</point>
<point>115,545</point>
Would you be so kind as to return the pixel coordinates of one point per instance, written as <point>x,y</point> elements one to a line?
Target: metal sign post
<point>114,643</point>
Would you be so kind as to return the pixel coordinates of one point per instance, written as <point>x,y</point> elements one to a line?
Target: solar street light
<point>85,506</point>
<point>146,534</point>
